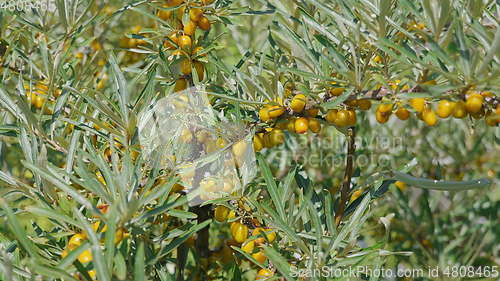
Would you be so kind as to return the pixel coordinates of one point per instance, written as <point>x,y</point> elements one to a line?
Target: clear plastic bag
<point>214,158</point>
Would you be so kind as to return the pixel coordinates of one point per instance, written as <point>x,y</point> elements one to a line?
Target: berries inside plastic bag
<point>213,158</point>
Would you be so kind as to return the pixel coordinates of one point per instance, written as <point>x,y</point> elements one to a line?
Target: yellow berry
<point>291,125</point>
<point>85,256</point>
<point>248,246</point>
<point>260,257</point>
<point>276,111</point>
<point>385,107</point>
<point>459,111</point>
<point>199,49</point>
<point>298,103</point>
<point>269,233</point>
<point>239,232</point>
<point>185,42</point>
<point>264,274</point>
<point>221,213</point>
<point>401,185</point>
<point>277,137</point>
<point>429,117</point>
<point>264,114</point>
<point>355,195</point>
<point>445,108</point>
<point>64,253</point>
<point>39,101</point>
<point>190,28</point>
<point>76,240</point>
<point>418,104</point>
<point>258,143</point>
<point>474,103</point>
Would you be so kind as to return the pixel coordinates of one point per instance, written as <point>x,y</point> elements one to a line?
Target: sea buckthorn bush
<point>374,126</point>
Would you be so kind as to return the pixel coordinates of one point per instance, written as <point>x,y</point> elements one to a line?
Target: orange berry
<point>169,44</point>
<point>195,14</point>
<point>199,49</point>
<point>200,70</point>
<point>173,3</point>
<point>459,111</point>
<point>402,113</point>
<point>382,117</point>
<point>314,125</point>
<point>180,13</point>
<point>301,125</point>
<point>351,121</point>
<point>164,14</point>
<point>312,112</point>
<point>186,66</point>
<point>336,91</point>
<point>180,85</point>
<point>331,115</point>
<point>342,119</point>
<point>204,23</point>
<point>364,104</point>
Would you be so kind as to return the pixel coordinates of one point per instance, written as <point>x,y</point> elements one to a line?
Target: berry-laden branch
<point>346,185</point>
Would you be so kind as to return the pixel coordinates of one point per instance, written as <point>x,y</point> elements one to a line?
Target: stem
<point>346,185</point>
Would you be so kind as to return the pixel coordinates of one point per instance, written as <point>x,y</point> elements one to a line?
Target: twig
<point>346,185</point>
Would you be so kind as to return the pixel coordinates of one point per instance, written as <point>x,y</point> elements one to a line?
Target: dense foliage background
<point>81,201</point>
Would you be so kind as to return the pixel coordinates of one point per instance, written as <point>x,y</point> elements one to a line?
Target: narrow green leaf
<point>139,265</point>
<point>440,184</point>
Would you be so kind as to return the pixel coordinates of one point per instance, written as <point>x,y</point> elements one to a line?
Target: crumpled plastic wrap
<point>214,158</point>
